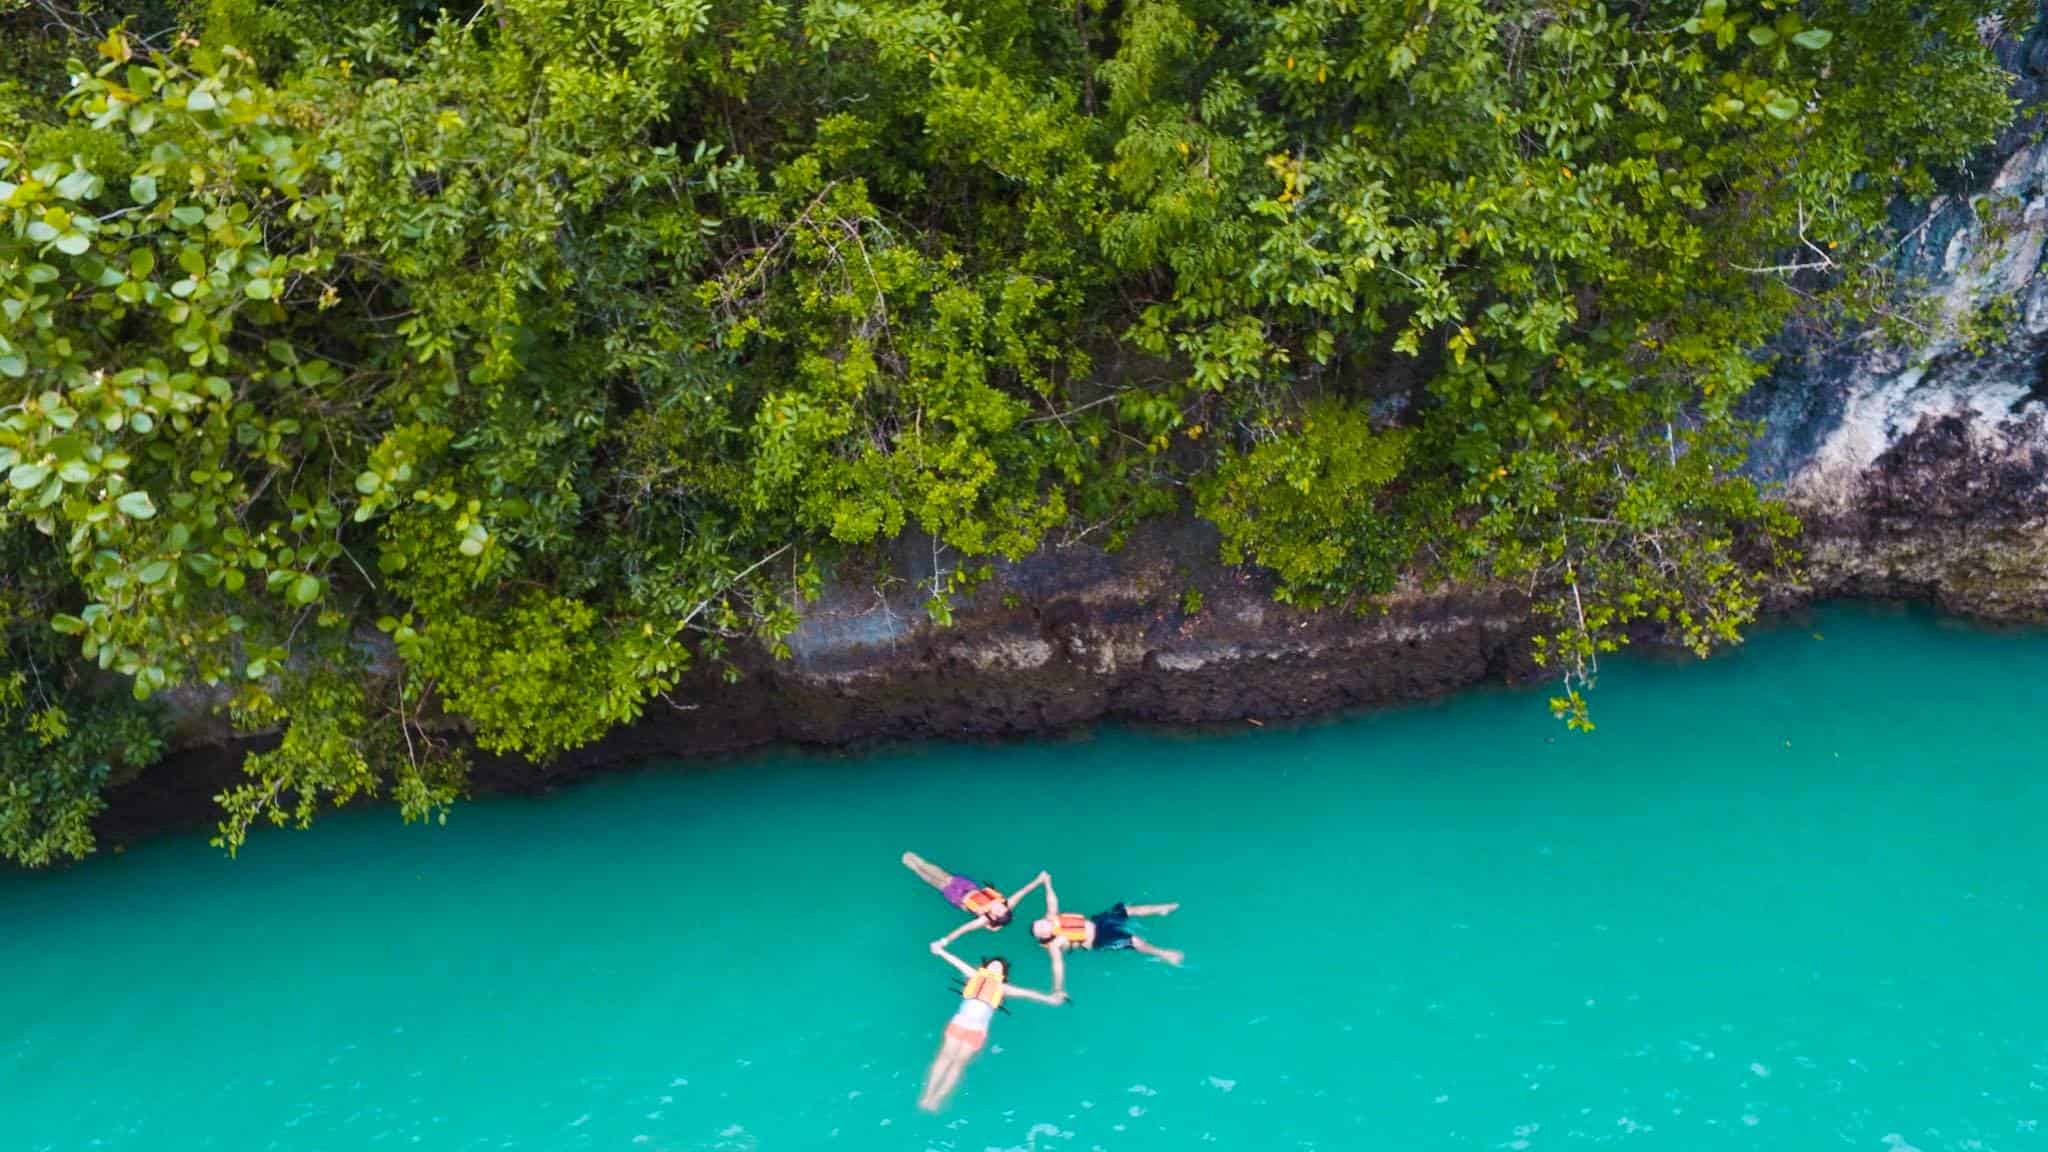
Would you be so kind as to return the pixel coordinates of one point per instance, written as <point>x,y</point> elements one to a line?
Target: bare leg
<point>927,871</point>
<point>1150,909</point>
<point>945,1075</point>
<point>951,1079</point>
<point>942,1063</point>
<point>1171,956</point>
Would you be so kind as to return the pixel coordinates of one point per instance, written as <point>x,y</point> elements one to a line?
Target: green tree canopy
<point>564,345</point>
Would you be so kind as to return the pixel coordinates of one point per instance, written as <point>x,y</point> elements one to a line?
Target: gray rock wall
<point>1922,471</point>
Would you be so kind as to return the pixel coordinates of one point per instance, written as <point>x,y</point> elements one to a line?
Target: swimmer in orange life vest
<point>984,992</point>
<point>990,908</point>
<point>1105,932</point>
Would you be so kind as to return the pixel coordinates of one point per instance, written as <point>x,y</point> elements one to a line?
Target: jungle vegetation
<point>414,377</point>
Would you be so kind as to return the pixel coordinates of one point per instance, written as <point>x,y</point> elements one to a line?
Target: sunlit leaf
<point>76,185</point>
<point>137,505</point>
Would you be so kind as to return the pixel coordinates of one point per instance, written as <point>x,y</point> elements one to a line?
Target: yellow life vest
<point>986,985</point>
<point>980,900</point>
<point>1072,927</point>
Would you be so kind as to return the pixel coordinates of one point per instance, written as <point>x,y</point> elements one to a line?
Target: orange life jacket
<point>986,985</point>
<point>980,900</point>
<point>1073,928</point>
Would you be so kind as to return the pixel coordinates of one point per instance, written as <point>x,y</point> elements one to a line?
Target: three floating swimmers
<point>986,986</point>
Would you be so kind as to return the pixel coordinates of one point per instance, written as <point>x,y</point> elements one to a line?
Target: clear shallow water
<point>1786,900</point>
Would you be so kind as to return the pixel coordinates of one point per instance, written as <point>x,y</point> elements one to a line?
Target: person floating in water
<point>1105,932</point>
<point>986,989</point>
<point>989,907</point>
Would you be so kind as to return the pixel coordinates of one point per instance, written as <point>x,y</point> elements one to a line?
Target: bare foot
<point>1169,909</point>
<point>1172,956</point>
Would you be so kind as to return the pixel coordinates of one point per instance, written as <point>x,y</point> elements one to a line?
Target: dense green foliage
<point>567,344</point>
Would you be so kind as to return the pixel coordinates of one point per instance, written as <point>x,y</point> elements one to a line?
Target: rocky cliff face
<point>1065,638</point>
<point>1919,474</point>
<point>1070,637</point>
<point>1924,472</point>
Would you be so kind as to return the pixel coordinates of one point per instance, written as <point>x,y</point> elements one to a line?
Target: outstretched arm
<point>1043,878</point>
<point>1052,899</point>
<point>1056,998</point>
<point>1059,968</point>
<point>963,930</point>
<point>939,950</point>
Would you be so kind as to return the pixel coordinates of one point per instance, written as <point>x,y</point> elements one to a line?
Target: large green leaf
<point>76,185</point>
<point>137,505</point>
<point>305,590</point>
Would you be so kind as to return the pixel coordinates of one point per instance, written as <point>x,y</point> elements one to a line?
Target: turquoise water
<point>1786,900</point>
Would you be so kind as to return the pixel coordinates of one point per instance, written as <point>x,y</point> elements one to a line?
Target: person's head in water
<point>1001,965</point>
<point>997,914</point>
<point>1043,929</point>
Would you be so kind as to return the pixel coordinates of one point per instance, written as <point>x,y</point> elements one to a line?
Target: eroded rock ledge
<point>1955,510</point>
<point>1947,502</point>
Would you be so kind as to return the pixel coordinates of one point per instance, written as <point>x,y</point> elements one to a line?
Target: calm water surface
<point>1785,900</point>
